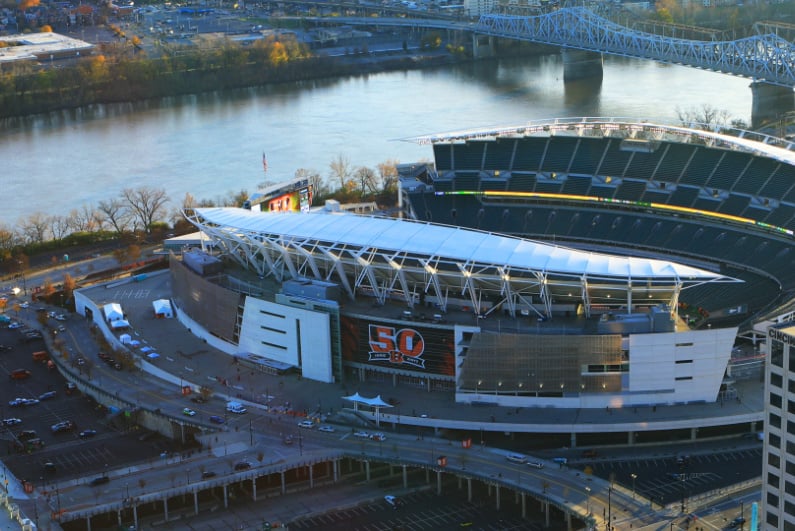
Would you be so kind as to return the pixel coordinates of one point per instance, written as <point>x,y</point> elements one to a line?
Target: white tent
<point>113,312</point>
<point>125,339</point>
<point>119,323</point>
<point>162,308</point>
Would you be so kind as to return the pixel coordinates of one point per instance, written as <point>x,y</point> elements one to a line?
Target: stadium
<point>570,264</point>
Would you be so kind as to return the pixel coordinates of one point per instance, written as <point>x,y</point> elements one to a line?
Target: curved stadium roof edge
<point>453,243</point>
<point>748,141</point>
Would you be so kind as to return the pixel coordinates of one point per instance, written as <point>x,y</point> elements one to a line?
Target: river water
<point>211,145</point>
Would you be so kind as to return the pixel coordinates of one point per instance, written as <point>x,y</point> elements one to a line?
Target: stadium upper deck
<point>646,188</point>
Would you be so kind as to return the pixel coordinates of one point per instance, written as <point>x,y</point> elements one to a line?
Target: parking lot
<point>664,479</point>
<point>422,510</point>
<point>32,443</point>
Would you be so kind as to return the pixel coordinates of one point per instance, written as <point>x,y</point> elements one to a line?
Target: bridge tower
<point>482,46</point>
<point>580,64</point>
<point>770,102</point>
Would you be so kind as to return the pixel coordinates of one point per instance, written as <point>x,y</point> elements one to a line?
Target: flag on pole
<point>264,162</point>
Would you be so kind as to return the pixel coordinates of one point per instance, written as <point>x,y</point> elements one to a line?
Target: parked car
<point>27,435</point>
<point>20,374</point>
<point>85,434</point>
<point>215,419</point>
<point>242,465</point>
<point>12,421</point>
<point>49,395</point>
<point>308,424</point>
<point>63,426</point>
<point>70,388</point>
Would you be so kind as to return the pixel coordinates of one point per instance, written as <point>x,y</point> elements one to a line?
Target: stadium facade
<point>674,237</point>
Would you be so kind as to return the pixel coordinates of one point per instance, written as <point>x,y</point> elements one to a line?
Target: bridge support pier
<point>770,102</point>
<point>438,482</point>
<point>497,496</point>
<point>573,440</point>
<point>135,515</point>
<point>195,501</point>
<point>630,438</point>
<point>284,486</point>
<point>482,46</point>
<point>88,523</point>
<point>693,434</point>
<point>367,471</point>
<point>254,488</point>
<point>311,478</point>
<point>405,478</point>
<point>568,521</point>
<point>335,465</point>
<point>579,64</point>
<point>524,504</point>
<point>546,513</point>
<point>165,505</point>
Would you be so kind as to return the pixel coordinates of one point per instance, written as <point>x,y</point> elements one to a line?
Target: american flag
<point>264,162</point>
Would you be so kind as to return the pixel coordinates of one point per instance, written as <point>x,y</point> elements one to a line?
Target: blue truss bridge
<point>763,58</point>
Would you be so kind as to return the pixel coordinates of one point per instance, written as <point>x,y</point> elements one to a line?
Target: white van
<point>235,407</point>
<point>516,458</point>
<point>535,464</point>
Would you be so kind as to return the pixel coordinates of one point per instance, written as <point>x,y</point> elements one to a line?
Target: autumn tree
<point>388,174</point>
<point>146,204</point>
<point>47,290</point>
<point>69,284</point>
<point>133,253</point>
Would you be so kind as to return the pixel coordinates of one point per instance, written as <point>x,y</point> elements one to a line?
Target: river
<point>211,145</point>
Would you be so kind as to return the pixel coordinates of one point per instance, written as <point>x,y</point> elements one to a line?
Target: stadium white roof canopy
<point>389,258</point>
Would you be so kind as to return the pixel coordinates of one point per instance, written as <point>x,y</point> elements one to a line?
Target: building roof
<point>407,260</point>
<point>454,243</point>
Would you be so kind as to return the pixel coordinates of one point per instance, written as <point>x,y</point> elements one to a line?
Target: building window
<point>776,380</point>
<point>789,488</point>
<point>790,468</point>
<point>774,440</point>
<point>791,384</point>
<point>681,378</point>
<point>774,420</point>
<point>774,460</point>
<point>772,520</point>
<point>772,500</point>
<point>775,400</point>
<point>777,353</point>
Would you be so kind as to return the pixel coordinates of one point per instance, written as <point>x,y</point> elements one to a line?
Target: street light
<point>634,477</point>
<point>588,499</point>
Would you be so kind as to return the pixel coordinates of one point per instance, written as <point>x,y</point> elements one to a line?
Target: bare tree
<point>147,205</point>
<point>115,213</point>
<point>84,219</point>
<point>366,178</point>
<point>35,228</point>
<point>706,118</point>
<point>340,170</point>
<point>59,226</point>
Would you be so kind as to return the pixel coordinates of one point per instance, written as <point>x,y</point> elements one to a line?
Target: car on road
<point>242,465</point>
<point>535,464</point>
<point>561,460</point>
<point>208,474</point>
<point>737,522</point>
<point>60,317</point>
<point>361,434</point>
<point>101,480</point>
<point>287,440</point>
<point>12,421</point>
<point>517,458</point>
<point>20,374</point>
<point>378,437</point>
<point>49,467</point>
<point>85,434</point>
<point>70,388</point>
<point>215,419</point>
<point>15,325</point>
<point>17,402</point>
<point>188,412</point>
<point>394,501</point>
<point>63,426</point>
<point>24,305</point>
<point>49,395</point>
<point>308,424</point>
<point>327,429</point>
